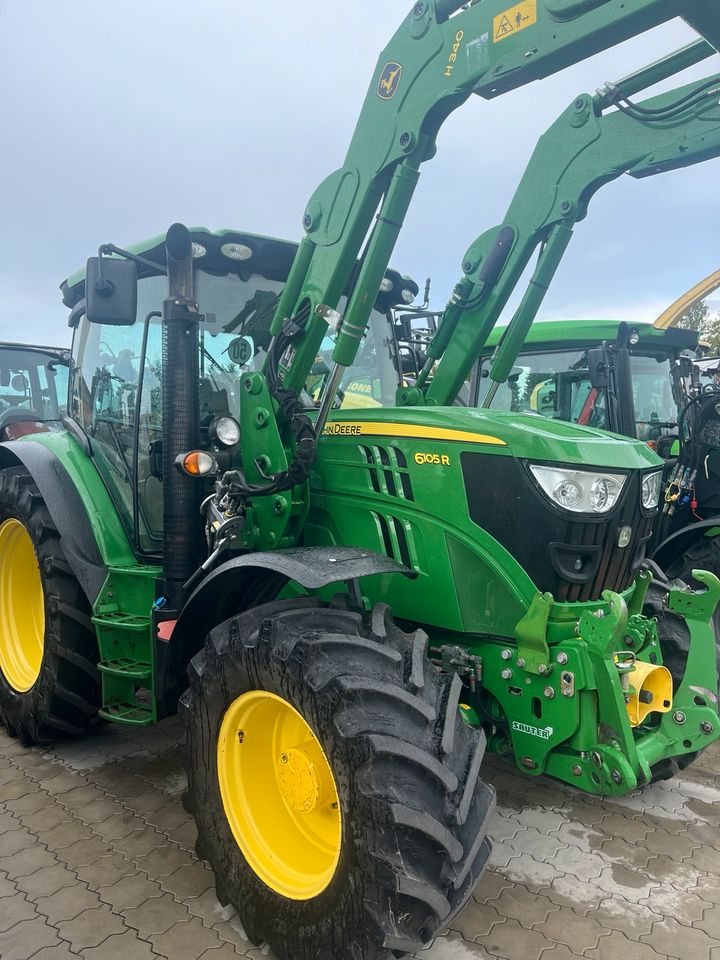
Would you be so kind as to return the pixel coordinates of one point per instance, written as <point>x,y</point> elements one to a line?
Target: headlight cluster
<point>587,491</point>
<point>579,491</point>
<point>651,490</point>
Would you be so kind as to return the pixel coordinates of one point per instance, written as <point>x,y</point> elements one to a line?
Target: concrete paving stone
<point>186,941</point>
<point>67,903</point>
<point>576,932</point>
<point>490,886</point>
<point>26,862</point>
<point>617,947</point>
<point>677,846</point>
<point>686,907</point>
<point>64,834</point>
<point>59,952</point>
<point>37,767</point>
<point>13,909</point>
<point>8,773</point>
<point>529,909</point>
<point>117,826</point>
<point>124,946</point>
<point>164,861</point>
<point>449,947</point>
<point>546,821</point>
<point>512,942</point>
<point>30,803</point>
<point>12,843</point>
<point>26,938</point>
<point>208,908</point>
<point>705,859</point>
<point>8,821</point>
<point>232,931</point>
<point>46,818</point>
<point>129,892</point>
<point>7,886</point>
<point>81,796</point>
<point>530,872</point>
<point>636,856</point>
<point>191,880</point>
<point>100,809</point>
<point>226,952</point>
<point>184,836</point>
<point>83,852</point>
<point>501,854</point>
<point>577,862</point>
<point>140,842</point>
<point>617,825</point>
<point>17,788</point>
<point>702,833</point>
<point>710,923</point>
<point>58,784</point>
<point>632,919</point>
<point>630,884</point>
<point>168,817</point>
<point>559,952</point>
<point>105,871</point>
<point>565,891</point>
<point>505,827</point>
<point>46,881</point>
<point>90,928</point>
<point>476,920</point>
<point>147,802</point>
<point>707,887</point>
<point>156,915</point>
<point>679,874</point>
<point>677,940</point>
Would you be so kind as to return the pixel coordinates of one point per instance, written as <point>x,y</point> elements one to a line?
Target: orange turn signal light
<point>196,463</point>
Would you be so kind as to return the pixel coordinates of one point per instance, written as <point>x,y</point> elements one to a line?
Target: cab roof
<point>550,333</point>
<point>271,258</point>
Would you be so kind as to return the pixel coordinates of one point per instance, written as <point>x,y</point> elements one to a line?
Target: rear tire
<point>414,812</point>
<point>64,698</point>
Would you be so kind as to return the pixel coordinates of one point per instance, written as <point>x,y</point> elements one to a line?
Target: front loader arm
<point>440,56</point>
<point>584,149</point>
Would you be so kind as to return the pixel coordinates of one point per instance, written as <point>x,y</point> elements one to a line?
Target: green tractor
<point>33,388</point>
<point>364,598</point>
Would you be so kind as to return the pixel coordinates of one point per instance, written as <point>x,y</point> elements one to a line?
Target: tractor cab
<point>33,389</point>
<point>564,372</point>
<point>117,379</point>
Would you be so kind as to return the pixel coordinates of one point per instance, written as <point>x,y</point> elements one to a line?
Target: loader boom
<point>588,146</point>
<point>442,53</point>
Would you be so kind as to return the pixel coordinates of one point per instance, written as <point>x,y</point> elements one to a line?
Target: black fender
<point>66,509</point>
<point>248,581</point>
<point>677,543</point>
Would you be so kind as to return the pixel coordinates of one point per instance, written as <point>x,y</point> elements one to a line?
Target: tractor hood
<point>521,435</point>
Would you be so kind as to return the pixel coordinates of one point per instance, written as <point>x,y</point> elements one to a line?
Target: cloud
<point>122,118</point>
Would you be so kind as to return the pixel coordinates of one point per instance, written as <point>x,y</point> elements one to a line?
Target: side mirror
<point>111,291</point>
<point>598,368</point>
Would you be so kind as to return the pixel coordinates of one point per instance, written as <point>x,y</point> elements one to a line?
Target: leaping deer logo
<point>389,80</point>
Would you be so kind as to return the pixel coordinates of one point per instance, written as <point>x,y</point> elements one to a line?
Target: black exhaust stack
<point>181,417</point>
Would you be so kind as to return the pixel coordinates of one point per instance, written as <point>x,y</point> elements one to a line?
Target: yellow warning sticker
<point>514,19</point>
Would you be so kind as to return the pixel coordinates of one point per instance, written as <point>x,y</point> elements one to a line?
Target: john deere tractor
<point>363,600</point>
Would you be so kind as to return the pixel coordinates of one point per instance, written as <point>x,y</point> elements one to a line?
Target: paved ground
<point>96,861</point>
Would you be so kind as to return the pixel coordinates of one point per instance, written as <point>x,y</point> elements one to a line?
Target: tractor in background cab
<point>33,389</point>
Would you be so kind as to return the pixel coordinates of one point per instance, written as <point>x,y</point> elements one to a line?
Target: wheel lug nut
<point>506,674</point>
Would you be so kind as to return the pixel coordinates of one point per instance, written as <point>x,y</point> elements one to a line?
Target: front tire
<point>402,768</point>
<point>49,682</point>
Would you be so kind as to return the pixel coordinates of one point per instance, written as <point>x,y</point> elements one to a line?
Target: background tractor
<point>210,508</point>
<point>33,388</point>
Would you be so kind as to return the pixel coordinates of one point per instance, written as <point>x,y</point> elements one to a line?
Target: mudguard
<point>249,581</point>
<point>66,508</point>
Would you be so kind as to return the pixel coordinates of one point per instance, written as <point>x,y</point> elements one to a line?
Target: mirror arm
<point>109,248</point>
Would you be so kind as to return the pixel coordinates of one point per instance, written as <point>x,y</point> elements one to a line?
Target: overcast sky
<point>120,118</point>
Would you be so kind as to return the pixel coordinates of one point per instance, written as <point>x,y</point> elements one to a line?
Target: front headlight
<point>651,490</point>
<point>579,491</point>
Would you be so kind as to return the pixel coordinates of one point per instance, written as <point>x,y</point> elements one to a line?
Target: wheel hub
<point>22,607</point>
<point>279,795</point>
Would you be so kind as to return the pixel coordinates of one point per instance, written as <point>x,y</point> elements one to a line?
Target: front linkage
<point>596,708</point>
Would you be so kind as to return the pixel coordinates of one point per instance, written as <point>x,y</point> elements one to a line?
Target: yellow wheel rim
<point>22,608</point>
<point>279,795</point>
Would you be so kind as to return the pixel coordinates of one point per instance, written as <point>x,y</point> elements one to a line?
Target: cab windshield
<point>556,384</point>
<point>117,381</point>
